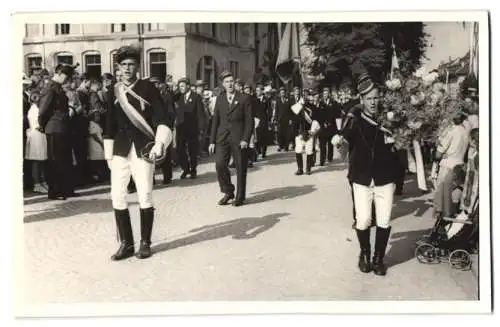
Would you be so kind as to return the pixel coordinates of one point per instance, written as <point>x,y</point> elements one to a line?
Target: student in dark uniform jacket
<point>190,105</point>
<point>306,116</point>
<point>232,128</point>
<point>372,166</point>
<point>136,118</point>
<point>284,119</point>
<point>331,112</point>
<point>55,122</point>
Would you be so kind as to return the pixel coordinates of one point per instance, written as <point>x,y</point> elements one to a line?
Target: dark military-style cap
<point>365,84</point>
<point>282,88</point>
<point>313,92</point>
<point>128,52</point>
<point>199,83</point>
<point>225,74</point>
<point>247,86</point>
<point>66,69</point>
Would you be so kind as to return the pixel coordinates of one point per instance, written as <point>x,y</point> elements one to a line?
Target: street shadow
<point>282,193</point>
<point>39,198</point>
<point>71,208</point>
<point>403,246</point>
<point>237,229</point>
<point>205,178</point>
<point>403,208</point>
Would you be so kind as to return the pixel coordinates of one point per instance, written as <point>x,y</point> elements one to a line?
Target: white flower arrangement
<point>393,84</point>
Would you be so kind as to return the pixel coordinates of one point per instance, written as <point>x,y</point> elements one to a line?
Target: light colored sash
<point>121,95</point>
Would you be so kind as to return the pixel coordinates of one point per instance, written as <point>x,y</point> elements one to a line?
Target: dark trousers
<point>79,146</point>
<point>283,135</point>
<point>100,169</point>
<point>187,147</point>
<point>262,140</point>
<point>325,146</point>
<point>402,165</point>
<point>59,165</point>
<point>166,166</point>
<point>223,152</point>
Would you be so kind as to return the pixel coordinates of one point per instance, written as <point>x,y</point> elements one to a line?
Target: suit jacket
<point>303,125</point>
<point>332,111</point>
<point>190,112</point>
<point>232,122</point>
<point>283,111</point>
<point>53,107</point>
<point>120,129</point>
<point>263,112</point>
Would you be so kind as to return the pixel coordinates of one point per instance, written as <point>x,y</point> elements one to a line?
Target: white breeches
<point>364,196</point>
<point>142,173</point>
<point>301,145</point>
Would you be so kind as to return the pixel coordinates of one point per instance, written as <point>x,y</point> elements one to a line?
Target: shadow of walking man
<point>283,193</point>
<point>238,229</point>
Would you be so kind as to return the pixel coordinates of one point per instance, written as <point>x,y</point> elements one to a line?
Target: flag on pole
<point>395,61</point>
<point>473,51</point>
<point>288,60</point>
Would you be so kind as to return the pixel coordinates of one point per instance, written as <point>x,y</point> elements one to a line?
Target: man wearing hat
<point>200,87</point>
<point>247,89</point>
<point>190,106</point>
<point>238,85</point>
<point>54,120</point>
<point>232,127</point>
<point>372,166</point>
<point>294,99</point>
<point>284,120</point>
<point>137,133</point>
<point>263,112</point>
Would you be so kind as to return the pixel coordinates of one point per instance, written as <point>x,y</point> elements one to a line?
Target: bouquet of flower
<point>417,108</point>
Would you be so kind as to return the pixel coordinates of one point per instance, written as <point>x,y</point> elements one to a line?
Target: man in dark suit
<point>136,118</point>
<point>331,112</point>
<point>283,117</point>
<point>232,127</point>
<point>55,121</point>
<point>262,108</point>
<point>294,98</point>
<point>190,105</point>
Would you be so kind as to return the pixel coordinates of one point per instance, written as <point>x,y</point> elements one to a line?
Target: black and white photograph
<point>296,160</point>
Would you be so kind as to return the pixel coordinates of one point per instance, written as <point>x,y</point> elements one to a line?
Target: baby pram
<point>455,239</point>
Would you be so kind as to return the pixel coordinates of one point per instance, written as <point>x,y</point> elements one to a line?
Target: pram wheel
<point>460,259</point>
<point>426,253</point>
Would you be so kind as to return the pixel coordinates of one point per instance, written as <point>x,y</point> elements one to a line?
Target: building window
<point>93,65</point>
<point>158,64</point>
<point>62,29</point>
<point>64,59</point>
<point>117,28</point>
<point>32,30</point>
<point>155,27</point>
<point>214,30</point>
<point>34,63</point>
<point>234,68</point>
<point>114,64</point>
<point>207,71</point>
<point>233,33</point>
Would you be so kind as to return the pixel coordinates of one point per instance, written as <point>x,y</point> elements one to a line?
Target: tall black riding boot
<point>364,255</point>
<point>147,217</point>
<point>381,239</point>
<point>300,164</point>
<point>309,163</point>
<point>124,226</point>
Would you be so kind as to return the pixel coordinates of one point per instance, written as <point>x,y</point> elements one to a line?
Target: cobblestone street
<point>291,241</point>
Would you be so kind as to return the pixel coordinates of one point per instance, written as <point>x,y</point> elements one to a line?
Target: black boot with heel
<point>364,264</point>
<point>300,164</point>
<point>381,239</point>
<point>124,226</point>
<point>147,218</point>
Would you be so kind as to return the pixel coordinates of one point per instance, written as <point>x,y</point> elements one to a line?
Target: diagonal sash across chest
<point>121,91</point>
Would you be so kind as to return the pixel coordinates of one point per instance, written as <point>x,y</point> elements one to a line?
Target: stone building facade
<point>193,50</point>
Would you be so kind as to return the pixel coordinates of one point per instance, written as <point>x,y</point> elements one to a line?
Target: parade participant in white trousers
<point>137,133</point>
<point>372,167</point>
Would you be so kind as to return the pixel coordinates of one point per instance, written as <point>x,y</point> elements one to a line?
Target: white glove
<point>156,151</point>
<point>336,139</point>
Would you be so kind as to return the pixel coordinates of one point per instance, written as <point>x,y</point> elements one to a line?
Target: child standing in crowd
<point>36,146</point>
<point>96,148</point>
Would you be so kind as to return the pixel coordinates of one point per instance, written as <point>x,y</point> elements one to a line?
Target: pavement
<point>291,241</point>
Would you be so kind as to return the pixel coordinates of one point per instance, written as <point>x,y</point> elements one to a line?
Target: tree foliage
<point>344,50</point>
